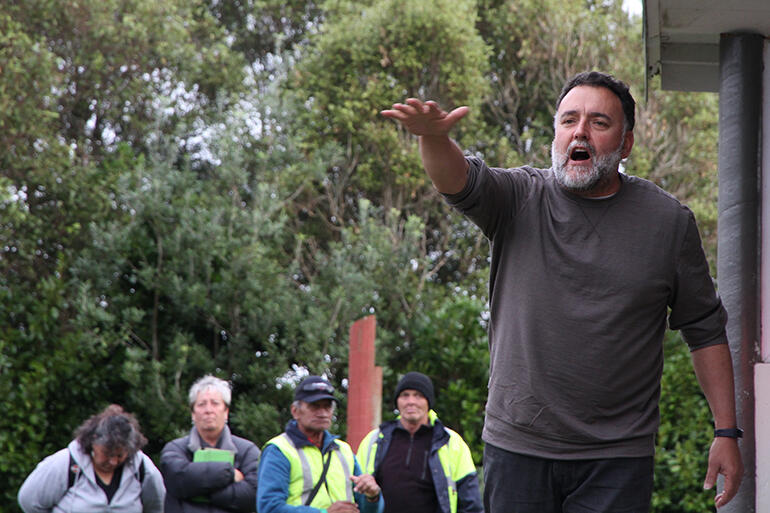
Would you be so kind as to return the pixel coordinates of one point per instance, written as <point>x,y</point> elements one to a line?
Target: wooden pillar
<point>364,382</point>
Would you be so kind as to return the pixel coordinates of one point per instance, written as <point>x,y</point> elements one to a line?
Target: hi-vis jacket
<point>291,466</point>
<point>450,462</point>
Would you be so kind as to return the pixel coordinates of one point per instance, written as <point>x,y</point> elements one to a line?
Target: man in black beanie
<point>420,465</point>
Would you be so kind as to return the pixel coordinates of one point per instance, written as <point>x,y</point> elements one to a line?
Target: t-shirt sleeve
<point>491,195</point>
<point>696,308</point>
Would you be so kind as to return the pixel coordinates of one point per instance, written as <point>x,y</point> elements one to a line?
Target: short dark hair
<point>114,429</point>
<point>599,79</point>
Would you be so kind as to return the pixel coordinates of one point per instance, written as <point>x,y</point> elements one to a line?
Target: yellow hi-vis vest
<point>306,468</point>
<point>454,457</point>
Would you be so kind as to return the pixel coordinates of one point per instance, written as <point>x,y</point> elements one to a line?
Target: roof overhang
<point>681,38</point>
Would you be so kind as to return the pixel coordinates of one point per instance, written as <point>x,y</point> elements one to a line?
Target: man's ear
<point>628,143</point>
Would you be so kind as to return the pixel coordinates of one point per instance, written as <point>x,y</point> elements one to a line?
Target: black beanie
<point>415,381</point>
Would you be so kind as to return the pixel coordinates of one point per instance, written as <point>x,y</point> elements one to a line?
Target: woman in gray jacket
<point>102,470</point>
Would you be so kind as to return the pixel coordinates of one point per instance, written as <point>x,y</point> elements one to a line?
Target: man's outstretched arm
<point>714,369</point>
<point>442,159</point>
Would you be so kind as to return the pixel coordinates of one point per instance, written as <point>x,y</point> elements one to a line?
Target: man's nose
<point>581,129</point>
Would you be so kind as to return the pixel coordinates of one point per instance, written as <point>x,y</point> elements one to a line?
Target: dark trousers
<point>514,483</point>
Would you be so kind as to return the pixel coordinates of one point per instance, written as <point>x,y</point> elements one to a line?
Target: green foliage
<point>26,116</point>
<point>207,187</point>
<point>264,28</point>
<point>49,384</point>
<point>447,340</point>
<point>536,46</point>
<point>681,453</point>
<point>193,277</point>
<point>114,59</point>
<point>362,62</point>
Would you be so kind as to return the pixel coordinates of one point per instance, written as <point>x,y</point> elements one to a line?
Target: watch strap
<point>729,433</point>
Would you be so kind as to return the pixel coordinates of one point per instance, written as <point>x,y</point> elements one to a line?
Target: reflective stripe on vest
<point>284,442</point>
<point>307,475</point>
<point>448,460</point>
<point>372,442</point>
<point>444,457</point>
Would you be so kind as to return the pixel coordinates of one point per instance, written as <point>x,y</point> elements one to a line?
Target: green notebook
<point>211,454</point>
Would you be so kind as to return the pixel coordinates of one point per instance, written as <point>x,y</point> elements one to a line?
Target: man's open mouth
<point>579,154</point>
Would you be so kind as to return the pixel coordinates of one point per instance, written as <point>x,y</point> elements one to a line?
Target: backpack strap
<point>140,475</point>
<point>73,473</point>
<point>321,480</point>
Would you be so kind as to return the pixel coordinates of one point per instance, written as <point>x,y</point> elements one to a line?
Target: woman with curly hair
<point>102,469</point>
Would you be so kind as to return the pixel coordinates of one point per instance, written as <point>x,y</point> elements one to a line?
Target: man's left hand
<point>366,484</point>
<point>725,459</point>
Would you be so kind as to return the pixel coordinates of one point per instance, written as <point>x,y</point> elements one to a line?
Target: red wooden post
<point>364,382</point>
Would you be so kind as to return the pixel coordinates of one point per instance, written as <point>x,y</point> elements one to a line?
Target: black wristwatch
<point>729,433</point>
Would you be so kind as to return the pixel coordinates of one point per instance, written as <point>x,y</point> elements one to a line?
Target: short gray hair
<point>297,403</point>
<point>209,381</point>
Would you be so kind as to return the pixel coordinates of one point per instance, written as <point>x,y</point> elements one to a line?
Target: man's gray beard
<point>602,168</point>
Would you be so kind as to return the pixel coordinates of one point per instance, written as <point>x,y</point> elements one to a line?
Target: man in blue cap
<point>306,469</point>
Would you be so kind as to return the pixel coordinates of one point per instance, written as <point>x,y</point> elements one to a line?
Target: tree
<point>360,62</point>
<point>266,29</point>
<point>535,47</point>
<point>78,79</point>
<point>207,187</point>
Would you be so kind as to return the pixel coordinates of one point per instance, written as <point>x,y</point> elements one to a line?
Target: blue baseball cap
<point>314,388</point>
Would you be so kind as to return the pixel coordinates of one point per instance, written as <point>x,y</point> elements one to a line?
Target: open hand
<point>425,118</point>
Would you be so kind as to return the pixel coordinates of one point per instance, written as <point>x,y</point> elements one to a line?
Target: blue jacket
<point>274,471</point>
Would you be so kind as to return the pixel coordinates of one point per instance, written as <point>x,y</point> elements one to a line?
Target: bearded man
<point>588,267</point>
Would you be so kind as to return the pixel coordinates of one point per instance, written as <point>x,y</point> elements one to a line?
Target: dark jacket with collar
<point>208,487</point>
<point>456,454</point>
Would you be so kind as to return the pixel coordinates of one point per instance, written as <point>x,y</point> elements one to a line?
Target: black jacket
<point>208,487</point>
